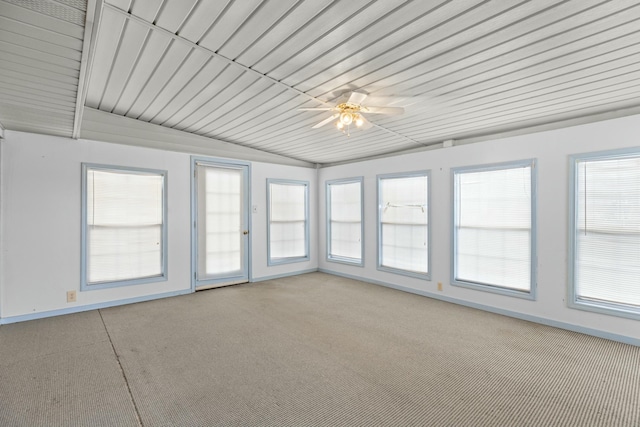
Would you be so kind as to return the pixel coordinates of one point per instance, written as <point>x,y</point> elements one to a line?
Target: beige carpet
<point>311,350</point>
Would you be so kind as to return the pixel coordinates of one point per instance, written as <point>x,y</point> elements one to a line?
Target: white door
<point>221,224</point>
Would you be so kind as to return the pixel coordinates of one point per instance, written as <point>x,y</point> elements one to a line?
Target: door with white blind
<point>220,233</point>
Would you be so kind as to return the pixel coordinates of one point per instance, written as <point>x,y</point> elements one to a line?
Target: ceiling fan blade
<point>356,98</point>
<point>366,124</point>
<point>325,121</point>
<point>383,110</point>
<point>316,109</point>
<point>344,97</point>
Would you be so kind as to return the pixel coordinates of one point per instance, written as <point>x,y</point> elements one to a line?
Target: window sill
<point>611,309</point>
<point>529,295</point>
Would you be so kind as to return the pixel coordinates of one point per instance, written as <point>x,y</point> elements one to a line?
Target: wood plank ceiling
<point>40,56</point>
<point>239,70</point>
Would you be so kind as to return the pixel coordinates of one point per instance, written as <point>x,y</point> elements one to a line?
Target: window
<point>288,218</point>
<point>344,221</point>
<point>605,227</point>
<point>124,226</point>
<point>494,228</point>
<point>403,224</point>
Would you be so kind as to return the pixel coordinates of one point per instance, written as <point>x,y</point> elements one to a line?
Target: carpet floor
<point>310,350</point>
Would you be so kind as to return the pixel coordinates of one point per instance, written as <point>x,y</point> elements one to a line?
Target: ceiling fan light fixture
<point>346,118</point>
<point>352,112</point>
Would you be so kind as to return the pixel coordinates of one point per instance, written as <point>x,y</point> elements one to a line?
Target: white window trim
<point>573,300</point>
<point>339,259</point>
<point>379,178</point>
<point>289,260</point>
<point>84,285</point>
<point>531,294</point>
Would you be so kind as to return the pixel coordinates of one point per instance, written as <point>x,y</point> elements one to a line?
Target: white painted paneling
<point>40,34</point>
<point>343,34</point>
<point>146,9</point>
<point>234,16</point>
<point>101,126</point>
<point>109,34</point>
<point>321,25</point>
<point>174,13</point>
<point>35,13</point>
<point>203,16</point>
<point>191,95</point>
<point>155,48</point>
<point>235,107</point>
<point>238,71</point>
<point>252,28</point>
<point>192,65</point>
<point>30,69</point>
<point>133,39</point>
<point>38,81</point>
<point>227,96</point>
<point>163,72</point>
<point>197,107</point>
<point>462,68</point>
<point>123,4</point>
<point>405,22</point>
<point>287,27</point>
<point>272,96</point>
<point>40,51</point>
<point>533,41</point>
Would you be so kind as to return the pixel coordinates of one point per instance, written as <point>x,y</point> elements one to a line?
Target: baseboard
<point>522,316</point>
<point>79,309</point>
<point>279,276</point>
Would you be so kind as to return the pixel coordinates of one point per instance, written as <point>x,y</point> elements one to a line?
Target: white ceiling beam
<point>92,22</point>
<point>196,46</point>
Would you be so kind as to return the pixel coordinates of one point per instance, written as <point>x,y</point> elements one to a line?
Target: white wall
<point>40,211</point>
<point>552,149</point>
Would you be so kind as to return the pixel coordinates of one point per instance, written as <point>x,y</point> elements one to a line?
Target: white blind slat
<point>124,225</point>
<point>607,264</point>
<point>219,221</point>
<point>493,227</point>
<point>404,230</point>
<point>287,228</point>
<point>345,220</point>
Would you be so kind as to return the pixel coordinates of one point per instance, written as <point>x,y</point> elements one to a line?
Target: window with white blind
<point>344,221</point>
<point>288,221</point>
<point>403,224</point>
<point>494,228</point>
<point>605,246</point>
<point>123,226</point>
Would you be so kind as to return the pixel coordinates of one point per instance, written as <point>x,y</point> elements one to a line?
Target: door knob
<point>245,232</point>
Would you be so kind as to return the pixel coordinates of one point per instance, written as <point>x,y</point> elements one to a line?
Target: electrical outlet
<point>71,296</point>
<point>440,286</point>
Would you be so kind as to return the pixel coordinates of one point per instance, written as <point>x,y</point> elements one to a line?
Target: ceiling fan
<point>350,111</point>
